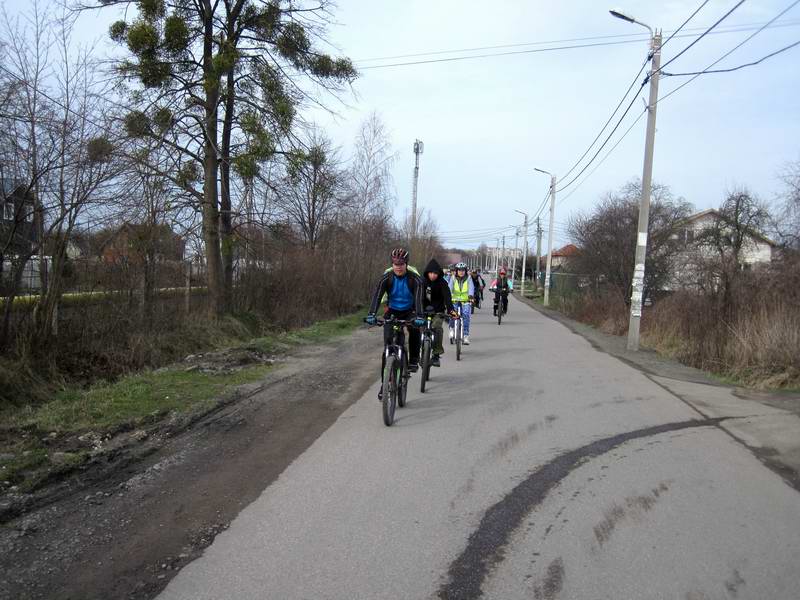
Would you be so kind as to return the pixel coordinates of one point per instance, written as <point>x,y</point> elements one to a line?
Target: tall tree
<point>219,82</point>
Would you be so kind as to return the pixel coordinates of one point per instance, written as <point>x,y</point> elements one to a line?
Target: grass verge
<point>42,437</point>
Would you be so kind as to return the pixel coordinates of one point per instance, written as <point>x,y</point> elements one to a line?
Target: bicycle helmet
<point>400,254</point>
<point>461,266</point>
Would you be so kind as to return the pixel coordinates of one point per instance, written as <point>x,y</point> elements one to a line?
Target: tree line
<point>194,126</point>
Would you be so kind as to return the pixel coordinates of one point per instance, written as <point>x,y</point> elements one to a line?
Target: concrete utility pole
<point>514,258</point>
<point>497,256</point>
<point>418,149</point>
<point>549,235</point>
<point>503,260</point>
<point>524,253</point>
<point>538,249</point>
<point>637,292</point>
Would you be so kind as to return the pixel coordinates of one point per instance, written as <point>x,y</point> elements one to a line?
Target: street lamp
<point>524,252</point>
<point>549,235</point>
<point>637,291</point>
<point>621,15</point>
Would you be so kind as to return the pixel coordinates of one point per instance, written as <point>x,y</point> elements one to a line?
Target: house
<point>561,257</point>
<point>16,217</point>
<point>757,248</point>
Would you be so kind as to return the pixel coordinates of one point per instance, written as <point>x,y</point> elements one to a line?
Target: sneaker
<point>413,367</point>
<point>466,340</point>
<point>435,361</point>
<point>452,335</point>
<point>380,394</point>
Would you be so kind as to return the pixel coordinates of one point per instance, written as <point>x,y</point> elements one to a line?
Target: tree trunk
<point>226,228</point>
<point>211,237</point>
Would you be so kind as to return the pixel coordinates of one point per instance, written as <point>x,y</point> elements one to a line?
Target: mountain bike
<point>458,337</point>
<point>427,346</point>
<point>500,308</point>
<point>395,369</point>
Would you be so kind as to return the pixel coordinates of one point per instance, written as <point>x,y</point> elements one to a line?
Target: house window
<point>689,236</point>
<point>9,211</point>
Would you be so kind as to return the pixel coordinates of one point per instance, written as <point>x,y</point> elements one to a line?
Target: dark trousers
<point>414,336</point>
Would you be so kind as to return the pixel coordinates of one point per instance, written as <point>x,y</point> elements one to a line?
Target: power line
<point>732,29</point>
<point>639,38</point>
<point>603,128</point>
<point>691,16</point>
<point>736,47</point>
<point>628,91</point>
<point>702,35</point>
<point>602,160</point>
<point>730,70</point>
<point>603,145</point>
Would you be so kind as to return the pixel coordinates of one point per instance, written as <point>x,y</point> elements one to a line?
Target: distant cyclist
<point>462,290</point>
<point>501,287</point>
<point>403,290</point>
<point>437,295</point>
<point>478,284</point>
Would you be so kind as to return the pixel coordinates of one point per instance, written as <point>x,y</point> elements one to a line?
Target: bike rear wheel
<point>426,364</point>
<point>499,313</point>
<point>389,400</point>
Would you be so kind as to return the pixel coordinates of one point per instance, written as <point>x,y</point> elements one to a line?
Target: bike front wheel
<point>390,382</point>
<point>459,331</point>
<point>425,369</point>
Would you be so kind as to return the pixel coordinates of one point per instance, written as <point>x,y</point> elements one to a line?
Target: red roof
<point>568,250</point>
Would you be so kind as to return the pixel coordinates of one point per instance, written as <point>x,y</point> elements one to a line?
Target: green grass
<point>132,401</point>
<point>148,395</point>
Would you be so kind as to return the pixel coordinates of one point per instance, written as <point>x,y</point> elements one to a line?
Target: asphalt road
<point>537,467</point>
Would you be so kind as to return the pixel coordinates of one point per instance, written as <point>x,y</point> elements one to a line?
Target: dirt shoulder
<point>123,530</point>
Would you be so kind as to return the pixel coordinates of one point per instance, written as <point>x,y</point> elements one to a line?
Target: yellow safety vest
<point>461,290</point>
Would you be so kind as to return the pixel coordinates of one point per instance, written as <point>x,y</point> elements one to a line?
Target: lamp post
<point>637,292</point>
<point>549,235</point>
<point>524,252</point>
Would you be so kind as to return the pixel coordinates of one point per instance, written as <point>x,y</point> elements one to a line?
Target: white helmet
<point>461,265</point>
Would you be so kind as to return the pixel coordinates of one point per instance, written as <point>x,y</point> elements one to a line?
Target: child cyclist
<point>436,294</point>
<point>462,290</point>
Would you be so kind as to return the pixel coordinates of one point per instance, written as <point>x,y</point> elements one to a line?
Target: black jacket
<point>436,293</point>
<point>385,284</point>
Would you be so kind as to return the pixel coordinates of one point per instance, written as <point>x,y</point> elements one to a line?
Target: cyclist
<point>478,284</point>
<point>501,287</point>
<point>462,290</point>
<point>437,294</point>
<point>403,289</point>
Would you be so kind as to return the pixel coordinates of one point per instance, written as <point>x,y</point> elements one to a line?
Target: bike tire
<point>389,401</point>
<point>458,339</point>
<point>500,314</point>
<point>425,367</point>
<point>402,384</point>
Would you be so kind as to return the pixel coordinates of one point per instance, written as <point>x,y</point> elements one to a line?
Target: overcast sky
<point>487,122</point>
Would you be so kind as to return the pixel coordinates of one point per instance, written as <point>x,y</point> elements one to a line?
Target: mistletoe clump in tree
<point>219,83</point>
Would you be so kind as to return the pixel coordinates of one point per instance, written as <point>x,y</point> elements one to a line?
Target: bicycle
<point>427,346</point>
<point>395,369</point>
<point>500,306</point>
<point>458,337</point>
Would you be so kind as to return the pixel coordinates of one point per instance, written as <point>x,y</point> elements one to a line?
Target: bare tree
<point>313,191</point>
<point>57,144</point>
<point>607,238</point>
<point>788,223</point>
